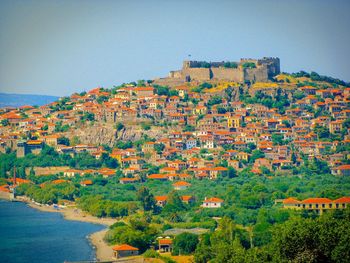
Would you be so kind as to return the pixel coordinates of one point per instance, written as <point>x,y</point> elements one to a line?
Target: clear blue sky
<point>60,47</point>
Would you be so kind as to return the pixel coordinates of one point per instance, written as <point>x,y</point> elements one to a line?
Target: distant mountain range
<point>16,100</point>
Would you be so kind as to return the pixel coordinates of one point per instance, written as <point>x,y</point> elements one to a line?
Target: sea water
<point>30,235</point>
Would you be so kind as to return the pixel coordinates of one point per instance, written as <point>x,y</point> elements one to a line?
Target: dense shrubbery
<point>248,65</point>
<point>99,207</point>
<point>49,193</point>
<point>138,232</point>
<point>49,157</point>
<point>185,244</point>
<point>279,101</point>
<point>323,239</point>
<point>230,65</point>
<point>202,86</point>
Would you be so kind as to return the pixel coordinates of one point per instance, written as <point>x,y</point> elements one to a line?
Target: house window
<point>303,206</point>
<point>310,206</point>
<point>330,205</point>
<point>337,205</point>
<point>343,205</point>
<point>316,205</point>
<point>323,205</point>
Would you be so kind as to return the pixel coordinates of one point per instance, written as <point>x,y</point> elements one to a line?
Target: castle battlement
<point>265,68</point>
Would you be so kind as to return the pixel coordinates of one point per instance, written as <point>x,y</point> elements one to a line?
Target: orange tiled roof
<point>316,201</point>
<point>165,241</point>
<point>157,176</point>
<point>124,247</point>
<point>161,198</point>
<point>186,197</point>
<point>181,183</point>
<point>344,199</point>
<point>87,182</point>
<point>343,167</point>
<point>291,200</point>
<point>213,200</point>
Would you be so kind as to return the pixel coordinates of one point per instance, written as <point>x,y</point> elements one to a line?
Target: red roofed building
<point>86,183</point>
<point>165,244</point>
<point>181,185</point>
<point>319,205</point>
<point>341,170</point>
<point>290,203</point>
<point>161,200</point>
<point>160,177</point>
<point>342,202</point>
<point>125,250</point>
<point>187,199</point>
<point>212,202</point>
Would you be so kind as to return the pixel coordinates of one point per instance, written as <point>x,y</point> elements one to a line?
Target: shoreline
<point>103,252</point>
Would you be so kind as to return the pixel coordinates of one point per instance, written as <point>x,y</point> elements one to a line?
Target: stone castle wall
<point>192,70</point>
<point>201,74</point>
<point>259,74</point>
<point>229,74</point>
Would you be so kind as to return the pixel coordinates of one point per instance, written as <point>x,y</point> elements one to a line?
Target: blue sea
<point>29,235</point>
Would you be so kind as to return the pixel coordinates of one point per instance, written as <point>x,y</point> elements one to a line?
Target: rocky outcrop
<point>104,133</point>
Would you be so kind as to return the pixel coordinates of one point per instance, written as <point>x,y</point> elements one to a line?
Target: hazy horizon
<point>61,47</point>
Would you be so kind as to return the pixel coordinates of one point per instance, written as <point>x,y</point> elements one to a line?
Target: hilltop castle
<point>252,70</point>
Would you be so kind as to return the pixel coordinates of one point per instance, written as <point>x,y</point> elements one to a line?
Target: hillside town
<point>151,144</point>
<point>204,128</point>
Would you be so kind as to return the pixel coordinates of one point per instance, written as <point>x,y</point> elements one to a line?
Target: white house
<point>212,202</point>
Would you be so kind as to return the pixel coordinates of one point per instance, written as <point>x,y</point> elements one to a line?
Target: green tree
<point>174,203</point>
<point>277,139</point>
<point>63,140</point>
<point>185,244</point>
<point>146,198</point>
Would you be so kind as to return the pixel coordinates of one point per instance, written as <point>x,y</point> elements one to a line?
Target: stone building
<point>259,70</point>
<point>30,146</point>
<point>125,250</point>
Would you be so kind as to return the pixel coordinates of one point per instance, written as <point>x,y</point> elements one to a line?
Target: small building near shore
<point>125,250</point>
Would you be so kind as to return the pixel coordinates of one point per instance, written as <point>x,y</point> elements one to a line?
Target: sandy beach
<point>103,251</point>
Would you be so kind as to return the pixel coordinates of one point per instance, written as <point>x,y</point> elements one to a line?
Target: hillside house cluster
<point>206,133</point>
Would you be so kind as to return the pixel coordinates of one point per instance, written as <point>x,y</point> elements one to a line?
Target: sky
<point>61,47</point>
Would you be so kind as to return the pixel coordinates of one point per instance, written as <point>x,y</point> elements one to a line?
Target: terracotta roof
<point>343,167</point>
<point>144,89</point>
<point>87,182</point>
<point>165,241</point>
<point>291,200</point>
<point>181,183</point>
<point>213,200</point>
<point>157,176</point>
<point>59,181</point>
<point>4,188</point>
<point>316,201</point>
<point>161,198</point>
<point>219,169</point>
<point>186,197</point>
<point>342,200</point>
<point>34,142</point>
<point>124,247</point>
